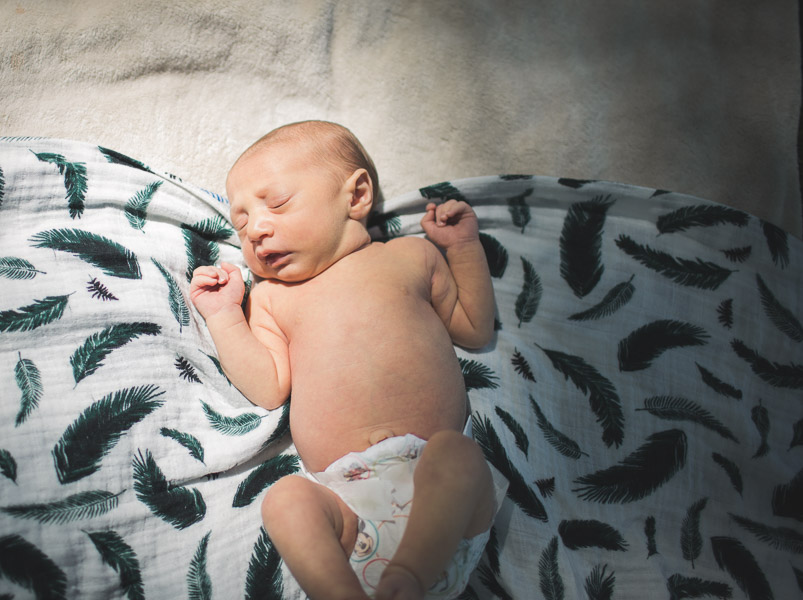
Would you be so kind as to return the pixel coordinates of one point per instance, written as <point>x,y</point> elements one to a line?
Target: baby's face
<point>289,213</point>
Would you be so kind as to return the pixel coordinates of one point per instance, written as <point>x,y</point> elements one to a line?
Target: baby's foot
<point>398,583</point>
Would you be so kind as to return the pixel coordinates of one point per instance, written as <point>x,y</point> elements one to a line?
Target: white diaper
<point>377,484</point>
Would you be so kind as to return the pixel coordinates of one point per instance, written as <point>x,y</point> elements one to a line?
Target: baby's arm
<point>462,292</point>
<point>254,359</point>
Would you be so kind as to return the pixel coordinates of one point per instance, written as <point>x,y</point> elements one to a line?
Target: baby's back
<point>369,355</point>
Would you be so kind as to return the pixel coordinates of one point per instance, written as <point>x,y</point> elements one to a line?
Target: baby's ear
<point>361,191</point>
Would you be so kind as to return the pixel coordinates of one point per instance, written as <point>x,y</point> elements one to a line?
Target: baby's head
<point>300,198</point>
<point>330,146</point>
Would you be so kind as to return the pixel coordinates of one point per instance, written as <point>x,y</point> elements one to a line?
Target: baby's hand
<point>213,289</point>
<point>450,223</point>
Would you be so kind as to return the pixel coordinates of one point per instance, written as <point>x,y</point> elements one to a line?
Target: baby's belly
<point>358,406</point>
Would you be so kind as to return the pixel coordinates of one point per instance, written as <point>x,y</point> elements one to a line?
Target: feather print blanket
<point>642,396</point>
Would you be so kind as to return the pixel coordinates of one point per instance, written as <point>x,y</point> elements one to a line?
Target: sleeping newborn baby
<point>394,499</point>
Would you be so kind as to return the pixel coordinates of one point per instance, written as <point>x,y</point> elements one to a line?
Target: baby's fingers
<point>209,276</point>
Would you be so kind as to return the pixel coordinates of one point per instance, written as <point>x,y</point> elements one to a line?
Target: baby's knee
<point>281,497</point>
<point>451,453</point>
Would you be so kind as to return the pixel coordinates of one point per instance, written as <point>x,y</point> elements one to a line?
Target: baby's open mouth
<point>275,258</point>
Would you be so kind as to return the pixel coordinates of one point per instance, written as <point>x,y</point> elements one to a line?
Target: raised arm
<point>254,357</point>
<point>462,292</point>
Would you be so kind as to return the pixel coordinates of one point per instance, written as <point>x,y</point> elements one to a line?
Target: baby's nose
<point>260,227</point>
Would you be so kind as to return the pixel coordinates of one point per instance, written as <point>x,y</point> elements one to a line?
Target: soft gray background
<point>694,96</point>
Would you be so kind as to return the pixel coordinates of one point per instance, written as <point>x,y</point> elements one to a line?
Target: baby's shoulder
<point>410,245</point>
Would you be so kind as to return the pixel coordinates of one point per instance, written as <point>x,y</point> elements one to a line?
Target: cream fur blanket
<point>694,96</point>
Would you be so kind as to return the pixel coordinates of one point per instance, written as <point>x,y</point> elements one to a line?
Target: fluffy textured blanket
<point>700,98</point>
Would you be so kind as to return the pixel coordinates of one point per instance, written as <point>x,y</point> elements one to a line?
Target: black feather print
<point>12,267</point>
<point>98,290</point>
<point>107,255</point>
<point>521,366</point>
<point>442,191</point>
<point>522,441</point>
<point>262,477</point>
<point>640,347</point>
<point>738,255</point>
<point>492,551</point>
<point>519,210</point>
<point>799,577</point>
<point>781,316</point>
<point>89,357</point>
<point>761,419</point>
<point>477,376</point>
<point>199,585</point>
<point>2,187</point>
<point>178,505</point>
<point>75,507</point>
<point>599,585</point>
<point>264,578</point>
<point>98,429</point>
<point>31,316</point>
<point>136,209</point>
<point>797,434</point>
<point>116,553</point>
<point>75,181</point>
<point>558,440</point>
<point>29,382</point>
<point>778,375</point>
<point>701,215</point>
<point>616,298</point>
<point>725,313</point>
<point>575,184</point>
<point>581,244</point>
<point>716,384</point>
<point>518,490</point>
<point>681,587</point>
<point>187,440</point>
<point>495,254</point>
<point>741,565</point>
<point>8,466</point>
<point>27,566</point>
<point>530,295</point>
<point>549,577</point>
<point>640,473</point>
<point>731,469</point>
<point>491,581</point>
<point>695,273</point>
<point>681,409</point>
<point>787,498</point>
<point>546,486</point>
<point>590,533</point>
<point>777,243</point>
<point>185,370</point>
<point>649,532</point>
<point>389,224</point>
<point>780,538</point>
<point>602,396</point>
<point>691,542</point>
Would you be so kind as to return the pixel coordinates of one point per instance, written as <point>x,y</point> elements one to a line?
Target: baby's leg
<point>453,499</point>
<point>314,532</point>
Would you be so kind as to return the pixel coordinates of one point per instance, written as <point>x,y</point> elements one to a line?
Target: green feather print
<point>199,585</point>
<point>27,566</point>
<point>12,267</point>
<point>29,381</point>
<point>109,256</point>
<point>264,578</point>
<point>116,553</point>
<point>31,316</point>
<point>175,298</point>
<point>76,507</point>
<point>136,209</point>
<point>75,181</point>
<point>234,426</point>
<point>98,429</point>
<point>178,505</point>
<point>88,358</point>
